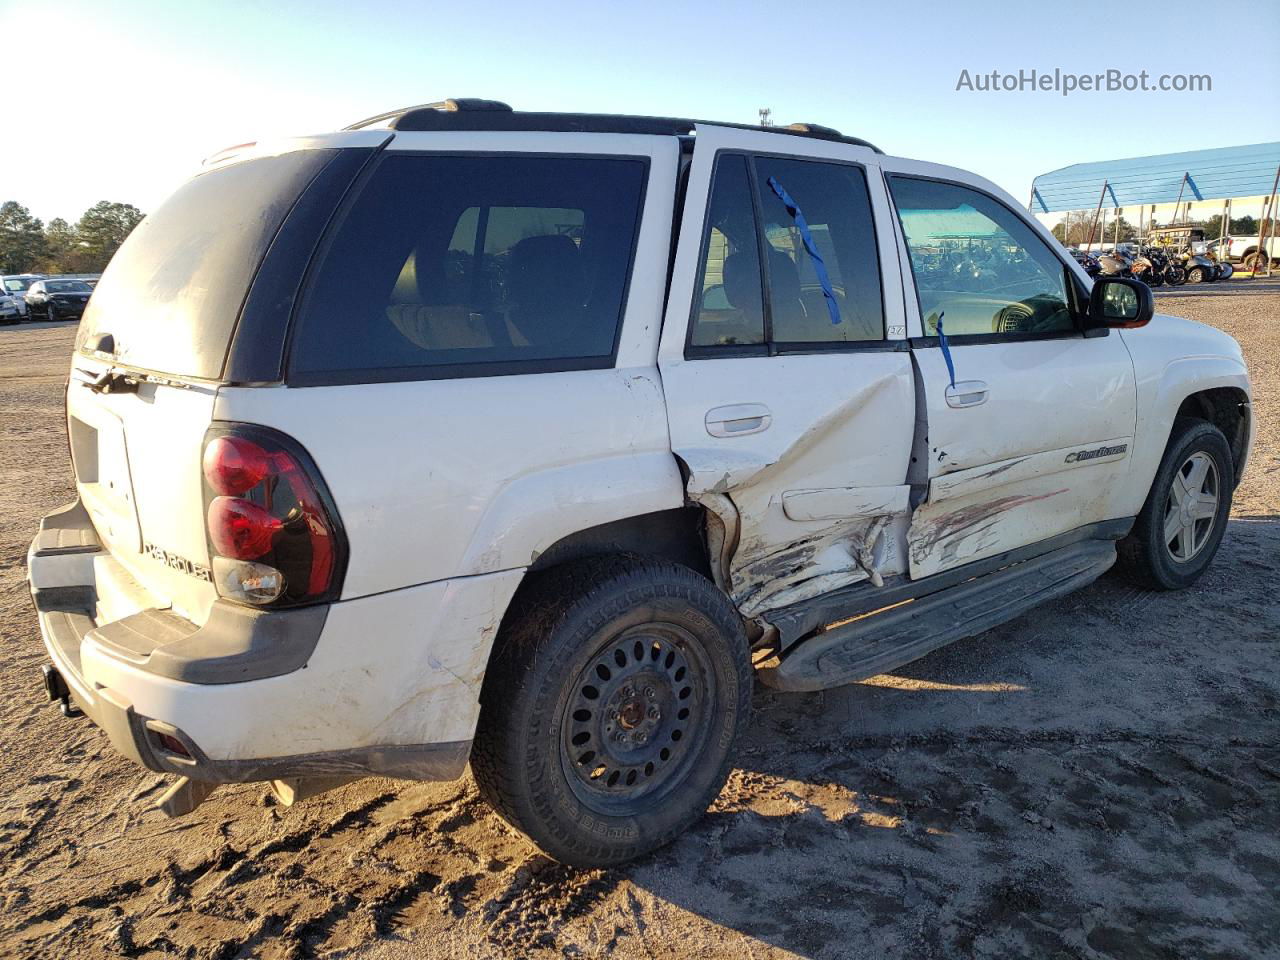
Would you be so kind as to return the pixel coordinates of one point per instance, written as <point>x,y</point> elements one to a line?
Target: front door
<point>784,363</point>
<point>1031,424</point>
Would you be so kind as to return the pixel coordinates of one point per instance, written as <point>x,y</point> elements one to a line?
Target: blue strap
<point>820,268</point>
<point>946,348</point>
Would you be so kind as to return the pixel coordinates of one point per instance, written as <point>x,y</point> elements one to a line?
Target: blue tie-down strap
<point>820,268</point>
<point>946,349</point>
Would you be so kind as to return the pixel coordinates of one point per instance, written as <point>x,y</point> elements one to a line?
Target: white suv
<point>530,439</point>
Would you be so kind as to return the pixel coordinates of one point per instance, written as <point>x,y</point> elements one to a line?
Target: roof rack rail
<point>465,113</point>
<point>452,105</point>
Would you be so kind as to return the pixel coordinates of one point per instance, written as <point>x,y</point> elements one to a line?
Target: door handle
<point>738,420</point>
<point>967,393</point>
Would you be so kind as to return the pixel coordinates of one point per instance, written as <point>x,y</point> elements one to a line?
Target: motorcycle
<point>1088,261</point>
<point>1116,263</point>
<point>1144,269</point>
<point>1170,267</point>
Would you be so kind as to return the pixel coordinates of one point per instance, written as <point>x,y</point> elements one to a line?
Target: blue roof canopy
<point>1217,174</point>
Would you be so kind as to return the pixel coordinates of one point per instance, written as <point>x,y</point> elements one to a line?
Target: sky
<point>137,93</point>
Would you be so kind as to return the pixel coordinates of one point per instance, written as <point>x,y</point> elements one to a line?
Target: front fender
<point>1162,385</point>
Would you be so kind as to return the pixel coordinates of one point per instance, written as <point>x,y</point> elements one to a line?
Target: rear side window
<point>470,265</point>
<point>789,258</point>
<point>824,275</point>
<point>731,309</point>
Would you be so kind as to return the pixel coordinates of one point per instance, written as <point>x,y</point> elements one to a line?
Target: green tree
<point>21,238</point>
<point>102,229</point>
<point>1244,227</point>
<point>62,253</point>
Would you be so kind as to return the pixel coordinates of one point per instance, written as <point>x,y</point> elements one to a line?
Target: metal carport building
<point>1220,174</point>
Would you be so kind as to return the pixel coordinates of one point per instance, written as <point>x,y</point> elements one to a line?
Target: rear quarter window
<point>172,294</point>
<point>472,265</point>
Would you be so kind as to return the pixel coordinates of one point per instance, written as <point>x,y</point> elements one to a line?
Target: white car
<point>533,439</point>
<point>16,285</point>
<point>10,311</point>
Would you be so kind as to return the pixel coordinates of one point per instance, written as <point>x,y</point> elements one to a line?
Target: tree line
<point>1074,228</point>
<point>29,246</point>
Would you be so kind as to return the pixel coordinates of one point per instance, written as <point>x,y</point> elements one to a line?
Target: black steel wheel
<point>637,711</point>
<point>610,708</point>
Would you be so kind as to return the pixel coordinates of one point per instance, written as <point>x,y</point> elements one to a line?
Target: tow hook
<point>56,689</point>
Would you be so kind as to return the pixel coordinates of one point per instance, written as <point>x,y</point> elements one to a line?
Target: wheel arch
<point>1228,409</point>
<point>1212,387</point>
<point>677,534</point>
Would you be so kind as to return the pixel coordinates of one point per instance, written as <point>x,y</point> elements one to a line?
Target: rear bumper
<point>385,685</point>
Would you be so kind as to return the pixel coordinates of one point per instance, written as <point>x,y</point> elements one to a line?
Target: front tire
<point>610,709</point>
<point>1177,534</point>
<point>1256,261</point>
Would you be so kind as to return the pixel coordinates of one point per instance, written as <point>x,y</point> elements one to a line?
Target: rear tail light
<point>274,535</point>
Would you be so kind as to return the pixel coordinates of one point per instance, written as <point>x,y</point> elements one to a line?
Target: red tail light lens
<point>268,504</point>
<point>241,529</point>
<point>234,465</point>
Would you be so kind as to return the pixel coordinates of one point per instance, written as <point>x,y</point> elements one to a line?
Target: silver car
<point>15,285</point>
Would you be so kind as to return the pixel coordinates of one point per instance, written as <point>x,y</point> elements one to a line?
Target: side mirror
<point>1120,302</point>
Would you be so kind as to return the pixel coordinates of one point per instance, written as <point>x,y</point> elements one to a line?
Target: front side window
<point>977,264</point>
<point>466,264</point>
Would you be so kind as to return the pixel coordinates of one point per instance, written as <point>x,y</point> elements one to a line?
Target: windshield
<point>172,294</point>
<point>67,286</point>
<point>17,284</point>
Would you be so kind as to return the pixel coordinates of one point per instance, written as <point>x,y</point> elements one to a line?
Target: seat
<point>546,289</point>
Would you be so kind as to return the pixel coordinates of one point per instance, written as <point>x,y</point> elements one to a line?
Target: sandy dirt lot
<point>1100,778</point>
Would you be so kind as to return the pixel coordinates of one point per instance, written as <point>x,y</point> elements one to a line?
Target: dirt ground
<point>1100,778</point>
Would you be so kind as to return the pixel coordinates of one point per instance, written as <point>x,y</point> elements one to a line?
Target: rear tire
<point>1256,261</point>
<point>1180,527</point>
<point>610,708</point>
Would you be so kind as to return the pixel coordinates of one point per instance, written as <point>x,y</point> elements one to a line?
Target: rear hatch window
<point>172,293</point>
<point>473,265</point>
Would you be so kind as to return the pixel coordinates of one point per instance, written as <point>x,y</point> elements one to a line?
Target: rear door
<point>1030,425</point>
<point>786,373</point>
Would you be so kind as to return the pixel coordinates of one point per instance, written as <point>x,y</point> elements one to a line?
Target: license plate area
<point>102,475</point>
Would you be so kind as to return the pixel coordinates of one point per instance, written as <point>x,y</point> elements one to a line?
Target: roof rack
<point>466,113</point>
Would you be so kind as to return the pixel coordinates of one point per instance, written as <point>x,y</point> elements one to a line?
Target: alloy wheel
<point>1191,510</point>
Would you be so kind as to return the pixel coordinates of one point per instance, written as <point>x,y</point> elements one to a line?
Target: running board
<point>878,642</point>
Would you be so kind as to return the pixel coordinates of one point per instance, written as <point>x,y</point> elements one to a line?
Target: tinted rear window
<point>456,265</point>
<point>171,294</point>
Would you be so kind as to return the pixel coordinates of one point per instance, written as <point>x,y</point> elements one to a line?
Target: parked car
<point>57,299</point>
<point>617,420</point>
<point>1247,251</point>
<point>16,284</point>
<point>10,312</point>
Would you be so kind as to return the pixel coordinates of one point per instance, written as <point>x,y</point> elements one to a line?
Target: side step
<point>873,644</point>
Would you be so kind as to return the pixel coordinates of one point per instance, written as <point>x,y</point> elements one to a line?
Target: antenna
<point>766,117</point>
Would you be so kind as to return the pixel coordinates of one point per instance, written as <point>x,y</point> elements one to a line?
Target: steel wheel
<point>1192,507</point>
<point>636,716</point>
